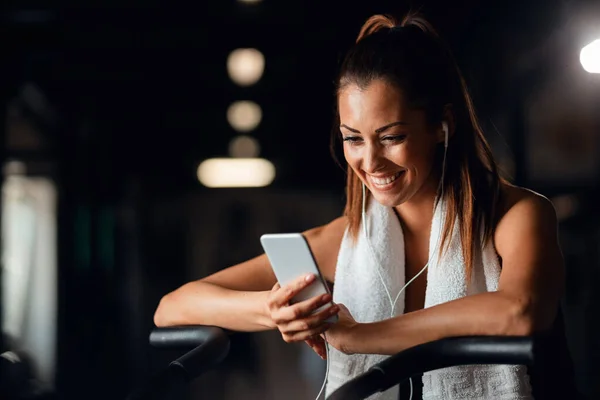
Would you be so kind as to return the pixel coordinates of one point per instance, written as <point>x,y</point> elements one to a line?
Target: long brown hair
<point>411,56</point>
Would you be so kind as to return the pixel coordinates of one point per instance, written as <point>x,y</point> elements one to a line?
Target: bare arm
<point>236,298</point>
<point>526,301</point>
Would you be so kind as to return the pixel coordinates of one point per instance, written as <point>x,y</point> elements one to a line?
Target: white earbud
<point>445,129</point>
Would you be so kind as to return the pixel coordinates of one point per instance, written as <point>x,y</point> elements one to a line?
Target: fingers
<point>302,309</point>
<point>307,307</point>
<point>311,321</point>
<point>296,322</point>
<point>281,296</point>
<point>292,337</point>
<point>318,345</point>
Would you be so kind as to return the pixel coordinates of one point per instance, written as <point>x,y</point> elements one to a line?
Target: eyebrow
<point>378,130</point>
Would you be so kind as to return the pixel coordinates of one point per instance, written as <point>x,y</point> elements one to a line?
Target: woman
<point>423,193</point>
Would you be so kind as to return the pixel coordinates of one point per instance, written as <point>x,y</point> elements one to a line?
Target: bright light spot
<point>249,1</point>
<point>244,147</point>
<point>244,116</point>
<point>245,66</point>
<point>590,57</point>
<point>236,172</point>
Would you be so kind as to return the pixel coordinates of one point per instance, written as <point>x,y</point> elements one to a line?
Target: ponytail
<point>381,22</point>
<point>375,24</point>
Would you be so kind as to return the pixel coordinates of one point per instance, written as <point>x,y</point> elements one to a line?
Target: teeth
<point>385,181</point>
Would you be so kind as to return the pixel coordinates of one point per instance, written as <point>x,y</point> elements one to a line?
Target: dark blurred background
<point>108,110</point>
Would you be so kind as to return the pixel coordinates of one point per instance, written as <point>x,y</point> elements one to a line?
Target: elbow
<point>524,319</point>
<point>520,325</point>
<point>162,312</point>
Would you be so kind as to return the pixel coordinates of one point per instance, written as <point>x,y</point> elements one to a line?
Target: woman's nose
<point>372,159</point>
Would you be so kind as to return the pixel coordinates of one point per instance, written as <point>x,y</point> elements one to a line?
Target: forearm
<point>201,303</point>
<point>483,314</point>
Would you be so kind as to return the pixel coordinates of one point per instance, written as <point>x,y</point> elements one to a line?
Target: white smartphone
<point>290,257</point>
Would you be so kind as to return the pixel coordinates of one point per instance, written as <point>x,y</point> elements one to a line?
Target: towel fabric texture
<point>366,264</point>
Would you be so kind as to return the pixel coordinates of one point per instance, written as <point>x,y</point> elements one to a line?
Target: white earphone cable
<point>326,368</point>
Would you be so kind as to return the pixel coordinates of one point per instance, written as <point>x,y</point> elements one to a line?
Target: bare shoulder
<point>526,240</point>
<point>524,211</point>
<point>325,242</point>
<point>523,203</point>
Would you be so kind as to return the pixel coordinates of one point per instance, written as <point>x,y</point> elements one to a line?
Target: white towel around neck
<point>359,287</point>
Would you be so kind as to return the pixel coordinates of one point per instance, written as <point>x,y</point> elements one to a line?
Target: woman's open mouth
<point>384,182</point>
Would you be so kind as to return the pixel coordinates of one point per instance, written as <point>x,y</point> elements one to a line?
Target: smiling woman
<point>394,159</point>
<point>423,194</point>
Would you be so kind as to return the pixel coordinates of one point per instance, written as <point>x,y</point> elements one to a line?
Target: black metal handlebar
<point>212,345</point>
<point>434,355</point>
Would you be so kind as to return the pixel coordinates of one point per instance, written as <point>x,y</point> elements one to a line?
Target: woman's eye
<point>352,139</point>
<point>395,138</point>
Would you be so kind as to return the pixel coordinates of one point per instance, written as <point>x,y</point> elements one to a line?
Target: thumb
<point>343,307</point>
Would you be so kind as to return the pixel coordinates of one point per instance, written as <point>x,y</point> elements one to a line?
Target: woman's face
<point>389,146</point>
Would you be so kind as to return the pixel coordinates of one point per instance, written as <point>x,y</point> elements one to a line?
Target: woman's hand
<point>317,343</point>
<point>295,321</point>
<point>342,334</point>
